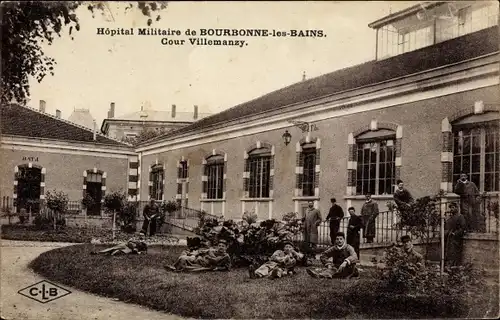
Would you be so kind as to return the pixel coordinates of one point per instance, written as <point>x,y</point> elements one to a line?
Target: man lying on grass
<point>339,261</point>
<point>211,259</point>
<point>281,263</point>
<point>130,247</point>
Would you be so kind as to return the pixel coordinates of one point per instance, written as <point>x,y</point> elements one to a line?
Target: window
<point>157,176</point>
<point>260,173</point>
<point>215,177</point>
<point>376,167</point>
<point>183,170</point>
<point>476,153</point>
<point>309,170</point>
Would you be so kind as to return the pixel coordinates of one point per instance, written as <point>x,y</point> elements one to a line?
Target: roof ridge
<point>70,123</point>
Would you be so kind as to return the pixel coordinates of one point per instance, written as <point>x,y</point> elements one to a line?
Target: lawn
<point>143,280</point>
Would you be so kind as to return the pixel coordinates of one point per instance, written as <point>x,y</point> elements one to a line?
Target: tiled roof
<point>27,122</point>
<point>452,51</point>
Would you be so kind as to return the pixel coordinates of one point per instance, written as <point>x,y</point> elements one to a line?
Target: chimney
<point>42,106</point>
<point>111,112</point>
<point>195,113</point>
<point>173,111</point>
<point>58,113</point>
<point>95,130</point>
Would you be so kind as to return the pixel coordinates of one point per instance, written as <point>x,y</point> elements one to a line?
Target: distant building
<point>130,125</point>
<point>41,152</point>
<point>82,117</point>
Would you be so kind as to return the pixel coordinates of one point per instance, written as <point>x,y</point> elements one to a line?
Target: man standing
<point>339,261</point>
<point>335,215</point>
<point>353,228</point>
<point>454,230</point>
<point>402,196</point>
<point>469,204</point>
<point>150,214</point>
<point>311,223</point>
<point>408,250</point>
<point>369,212</point>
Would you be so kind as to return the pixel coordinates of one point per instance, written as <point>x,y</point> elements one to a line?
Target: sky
<point>94,70</point>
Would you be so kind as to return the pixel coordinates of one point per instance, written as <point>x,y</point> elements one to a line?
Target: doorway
<point>94,190</point>
<point>28,189</point>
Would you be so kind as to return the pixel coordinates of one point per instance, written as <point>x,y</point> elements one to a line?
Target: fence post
<point>442,212</point>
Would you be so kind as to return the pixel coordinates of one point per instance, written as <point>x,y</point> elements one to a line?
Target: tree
<point>27,25</point>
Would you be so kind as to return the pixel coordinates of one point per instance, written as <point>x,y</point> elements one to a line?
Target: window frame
<point>215,163</point>
<point>456,128</point>
<point>359,168</point>
<point>183,169</point>
<point>158,188</point>
<point>308,185</point>
<point>259,168</point>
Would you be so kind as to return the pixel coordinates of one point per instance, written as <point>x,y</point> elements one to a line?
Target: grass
<point>67,234</point>
<point>143,280</point>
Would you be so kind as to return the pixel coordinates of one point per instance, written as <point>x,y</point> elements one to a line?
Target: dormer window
<point>430,23</point>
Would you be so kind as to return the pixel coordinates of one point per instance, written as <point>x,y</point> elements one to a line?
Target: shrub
<point>87,201</point>
<point>126,217</point>
<point>57,201</point>
<point>169,206</point>
<point>114,202</point>
<point>419,290</point>
<point>248,242</point>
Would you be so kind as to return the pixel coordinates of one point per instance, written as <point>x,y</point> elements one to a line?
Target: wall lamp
<point>287,137</point>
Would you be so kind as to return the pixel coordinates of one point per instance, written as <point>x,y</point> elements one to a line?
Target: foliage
<point>416,290</point>
<point>391,206</point>
<point>42,222</point>
<point>126,217</point>
<point>249,217</point>
<point>115,201</point>
<point>421,218</point>
<point>169,206</point>
<point>493,208</point>
<point>57,201</point>
<point>28,25</point>
<point>247,242</point>
<point>87,201</point>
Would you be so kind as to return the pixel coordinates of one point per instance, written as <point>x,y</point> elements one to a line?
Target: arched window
<point>309,169</point>
<point>476,150</point>
<point>157,176</point>
<point>374,161</point>
<point>259,165</point>
<point>214,170</point>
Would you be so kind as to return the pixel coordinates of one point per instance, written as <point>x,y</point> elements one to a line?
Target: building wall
<point>120,130</point>
<point>64,172</point>
<point>420,152</point>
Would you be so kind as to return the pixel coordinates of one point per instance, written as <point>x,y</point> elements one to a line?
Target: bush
<point>114,202</point>
<point>248,242</point>
<point>126,217</point>
<point>41,222</point>
<point>169,206</point>
<point>419,290</point>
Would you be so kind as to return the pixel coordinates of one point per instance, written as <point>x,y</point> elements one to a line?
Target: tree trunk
<point>114,223</point>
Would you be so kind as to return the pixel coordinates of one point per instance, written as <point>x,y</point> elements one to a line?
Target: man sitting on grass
<point>281,263</point>
<point>339,261</point>
<point>130,247</point>
<point>410,252</point>
<point>211,259</point>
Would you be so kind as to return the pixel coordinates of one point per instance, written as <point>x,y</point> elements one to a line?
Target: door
<point>94,189</point>
<point>28,189</point>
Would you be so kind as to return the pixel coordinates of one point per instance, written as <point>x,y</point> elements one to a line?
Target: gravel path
<point>15,275</point>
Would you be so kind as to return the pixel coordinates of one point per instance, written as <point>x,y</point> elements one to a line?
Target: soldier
<point>311,223</point>
<point>150,213</point>
<point>454,229</point>
<point>335,215</point>
<point>353,228</point>
<point>369,212</point>
<point>211,259</point>
<point>410,252</point>
<point>281,263</point>
<point>342,264</point>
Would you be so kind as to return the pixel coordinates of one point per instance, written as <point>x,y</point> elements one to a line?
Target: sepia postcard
<point>249,160</point>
